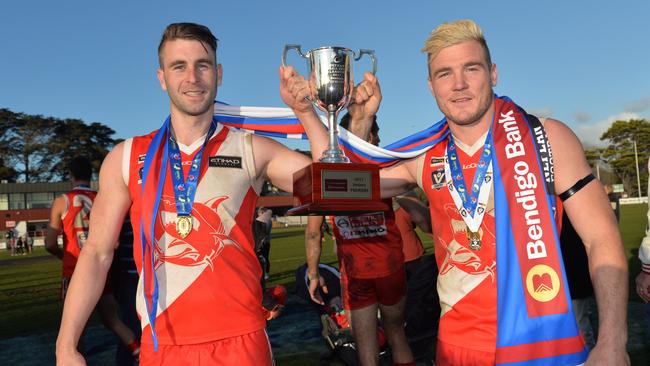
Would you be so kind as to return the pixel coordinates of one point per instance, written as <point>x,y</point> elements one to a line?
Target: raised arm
<point>313,248</point>
<point>54,227</point>
<point>277,163</point>
<point>417,210</point>
<point>592,216</point>
<point>106,218</point>
<point>294,90</point>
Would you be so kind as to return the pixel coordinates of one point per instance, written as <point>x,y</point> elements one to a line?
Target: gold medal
<point>474,239</point>
<point>183,225</point>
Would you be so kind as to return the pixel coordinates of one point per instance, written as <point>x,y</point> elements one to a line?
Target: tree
<point>73,137</point>
<point>619,154</point>
<point>38,148</point>
<point>26,147</point>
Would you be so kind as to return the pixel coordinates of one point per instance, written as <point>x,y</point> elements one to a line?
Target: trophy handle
<point>370,53</point>
<point>287,47</point>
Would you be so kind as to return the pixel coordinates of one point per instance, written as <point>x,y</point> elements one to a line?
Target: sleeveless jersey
<point>467,283</point>
<point>208,282</point>
<point>75,219</point>
<point>368,245</point>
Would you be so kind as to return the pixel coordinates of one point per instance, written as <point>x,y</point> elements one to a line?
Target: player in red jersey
<point>209,308</point>
<point>369,248</point>
<point>461,78</point>
<point>70,215</point>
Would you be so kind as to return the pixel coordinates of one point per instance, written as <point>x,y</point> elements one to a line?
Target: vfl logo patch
<point>225,162</point>
<point>542,283</point>
<point>438,179</point>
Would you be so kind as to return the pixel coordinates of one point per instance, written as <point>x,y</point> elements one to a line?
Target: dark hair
<point>345,123</point>
<point>80,168</point>
<point>190,31</point>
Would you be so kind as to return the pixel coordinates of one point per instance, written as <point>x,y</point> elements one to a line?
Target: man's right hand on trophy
<point>294,90</point>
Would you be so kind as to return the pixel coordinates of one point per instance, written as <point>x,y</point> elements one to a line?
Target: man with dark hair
<point>495,191</point>
<point>80,168</point>
<point>70,215</point>
<point>191,187</point>
<point>372,273</point>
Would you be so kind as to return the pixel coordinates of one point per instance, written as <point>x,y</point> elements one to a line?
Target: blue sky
<point>586,63</point>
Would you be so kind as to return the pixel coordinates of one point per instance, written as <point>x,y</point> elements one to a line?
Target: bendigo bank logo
<point>542,283</point>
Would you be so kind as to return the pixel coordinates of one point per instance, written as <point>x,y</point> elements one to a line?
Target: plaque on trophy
<point>334,185</point>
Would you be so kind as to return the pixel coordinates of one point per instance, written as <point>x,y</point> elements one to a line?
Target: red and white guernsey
<point>467,283</point>
<point>368,245</point>
<point>209,285</point>
<point>78,203</point>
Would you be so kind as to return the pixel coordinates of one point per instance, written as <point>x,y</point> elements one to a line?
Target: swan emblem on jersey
<point>205,242</point>
<point>459,255</point>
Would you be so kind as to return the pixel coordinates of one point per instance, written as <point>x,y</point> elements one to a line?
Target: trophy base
<point>328,188</point>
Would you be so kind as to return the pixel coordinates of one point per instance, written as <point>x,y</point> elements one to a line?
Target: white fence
<point>633,200</point>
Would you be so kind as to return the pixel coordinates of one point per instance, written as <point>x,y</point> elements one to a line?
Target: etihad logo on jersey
<point>223,161</point>
<point>542,283</point>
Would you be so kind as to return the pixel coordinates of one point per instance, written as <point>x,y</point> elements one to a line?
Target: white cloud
<point>589,133</point>
<point>543,112</point>
<point>638,105</point>
<point>581,117</point>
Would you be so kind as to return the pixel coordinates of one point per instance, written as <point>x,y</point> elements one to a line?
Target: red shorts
<point>65,282</point>
<point>250,349</point>
<point>361,292</point>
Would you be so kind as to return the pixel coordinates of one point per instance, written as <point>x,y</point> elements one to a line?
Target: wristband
<point>313,277</point>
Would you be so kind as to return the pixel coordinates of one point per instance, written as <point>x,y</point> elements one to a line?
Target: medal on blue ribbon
<point>471,204</point>
<point>184,189</point>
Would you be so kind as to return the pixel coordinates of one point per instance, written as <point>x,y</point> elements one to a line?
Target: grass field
<point>29,284</point>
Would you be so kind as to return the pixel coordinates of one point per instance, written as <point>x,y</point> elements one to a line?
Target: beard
<point>467,117</point>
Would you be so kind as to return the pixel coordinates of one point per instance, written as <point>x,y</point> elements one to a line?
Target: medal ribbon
<point>185,189</point>
<point>471,205</point>
<point>147,232</point>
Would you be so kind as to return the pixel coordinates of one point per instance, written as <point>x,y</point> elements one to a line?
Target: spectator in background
<point>19,246</point>
<point>576,265</point>
<point>422,308</point>
<point>643,278</point>
<point>10,241</point>
<point>614,199</point>
<point>262,235</point>
<point>69,215</point>
<point>29,243</point>
<point>125,283</point>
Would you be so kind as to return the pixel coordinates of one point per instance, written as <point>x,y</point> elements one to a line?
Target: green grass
<point>29,291</point>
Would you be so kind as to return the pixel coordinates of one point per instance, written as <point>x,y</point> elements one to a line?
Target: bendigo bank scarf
<point>535,320</point>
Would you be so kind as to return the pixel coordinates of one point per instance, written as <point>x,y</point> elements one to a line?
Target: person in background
<point>643,278</point>
<point>69,215</point>
<point>421,310</point>
<point>372,273</point>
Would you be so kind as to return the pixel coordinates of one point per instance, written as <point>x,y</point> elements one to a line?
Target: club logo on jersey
<point>205,242</point>
<point>438,178</point>
<point>222,161</point>
<point>542,283</point>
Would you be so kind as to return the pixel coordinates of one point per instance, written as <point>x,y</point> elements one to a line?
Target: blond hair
<point>450,34</point>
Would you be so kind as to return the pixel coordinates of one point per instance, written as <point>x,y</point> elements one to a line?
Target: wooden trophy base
<point>336,188</point>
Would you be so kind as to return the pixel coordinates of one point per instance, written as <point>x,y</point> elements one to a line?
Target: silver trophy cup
<point>331,81</point>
